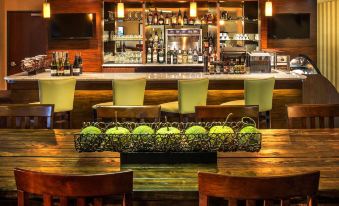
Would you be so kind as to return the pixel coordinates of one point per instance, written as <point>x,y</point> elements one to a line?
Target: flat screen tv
<point>289,26</point>
<point>72,26</point>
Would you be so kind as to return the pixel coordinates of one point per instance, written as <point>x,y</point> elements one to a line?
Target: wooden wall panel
<point>328,40</point>
<point>291,46</point>
<point>91,50</point>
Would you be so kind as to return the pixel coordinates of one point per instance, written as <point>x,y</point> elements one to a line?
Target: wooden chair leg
<point>69,120</point>
<point>268,119</point>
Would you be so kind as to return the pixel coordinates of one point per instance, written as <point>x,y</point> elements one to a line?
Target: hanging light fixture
<point>268,8</point>
<point>46,10</point>
<point>193,9</point>
<point>121,10</point>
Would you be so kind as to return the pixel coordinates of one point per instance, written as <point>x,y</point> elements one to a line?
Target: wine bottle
<point>54,65</point>
<point>67,66</point>
<point>161,19</point>
<point>150,18</point>
<point>169,56</point>
<point>76,67</point>
<point>174,19</point>
<point>190,56</point>
<point>155,40</point>
<point>155,17</point>
<point>179,57</point>
<point>167,20</point>
<point>180,20</point>
<point>200,57</point>
<point>155,55</point>
<point>185,19</point>
<point>175,56</point>
<point>80,63</point>
<point>61,64</point>
<point>149,55</point>
<point>161,56</point>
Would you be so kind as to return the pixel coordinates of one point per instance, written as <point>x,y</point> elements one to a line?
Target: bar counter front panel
<point>94,88</point>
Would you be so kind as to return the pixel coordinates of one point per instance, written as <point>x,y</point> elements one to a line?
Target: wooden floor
<point>283,152</point>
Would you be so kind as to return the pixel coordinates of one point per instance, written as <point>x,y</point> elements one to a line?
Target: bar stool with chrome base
<point>126,92</point>
<point>191,93</point>
<point>258,92</point>
<point>60,93</point>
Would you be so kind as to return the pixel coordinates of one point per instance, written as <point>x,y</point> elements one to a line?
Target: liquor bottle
<point>169,56</point>
<point>155,55</point>
<point>155,40</point>
<point>210,43</point>
<point>167,20</point>
<point>200,57</point>
<point>67,66</point>
<point>80,63</point>
<point>161,19</point>
<point>149,55</point>
<point>185,19</point>
<point>161,41</point>
<point>210,19</point>
<point>203,20</point>
<point>150,18</point>
<point>61,64</point>
<point>191,21</point>
<point>179,57</point>
<point>195,56</point>
<point>175,56</point>
<point>76,67</point>
<point>155,17</point>
<point>184,57</point>
<point>180,20</point>
<point>54,65</point>
<point>206,61</point>
<point>190,56</point>
<point>161,56</point>
<point>174,19</point>
<point>151,41</point>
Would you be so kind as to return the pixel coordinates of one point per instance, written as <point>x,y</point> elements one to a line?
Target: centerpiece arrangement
<point>169,138</point>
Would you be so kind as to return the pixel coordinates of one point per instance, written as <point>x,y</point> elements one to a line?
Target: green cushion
<point>171,107</point>
<point>59,92</point>
<point>129,92</point>
<point>259,92</point>
<point>236,102</point>
<point>102,104</point>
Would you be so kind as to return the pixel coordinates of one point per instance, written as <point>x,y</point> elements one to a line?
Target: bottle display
<point>61,64</point>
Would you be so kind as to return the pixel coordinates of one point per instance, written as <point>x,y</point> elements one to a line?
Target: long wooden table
<point>283,152</point>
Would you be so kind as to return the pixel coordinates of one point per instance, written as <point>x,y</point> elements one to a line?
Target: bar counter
<point>94,88</point>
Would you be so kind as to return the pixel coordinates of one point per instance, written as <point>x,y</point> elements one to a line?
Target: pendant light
<point>268,8</point>
<point>46,10</point>
<point>121,10</point>
<point>193,9</point>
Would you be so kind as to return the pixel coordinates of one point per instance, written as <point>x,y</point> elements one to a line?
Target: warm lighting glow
<point>46,11</point>
<point>121,10</point>
<point>90,17</point>
<point>193,9</point>
<point>268,8</point>
<point>221,22</point>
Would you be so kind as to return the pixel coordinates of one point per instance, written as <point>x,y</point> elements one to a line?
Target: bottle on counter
<point>54,65</point>
<point>169,56</point>
<point>155,40</point>
<point>161,56</point>
<point>190,56</point>
<point>206,62</point>
<point>150,18</point>
<point>161,19</point>
<point>180,19</point>
<point>167,20</point>
<point>161,41</point>
<point>60,63</point>
<point>185,19</point>
<point>155,55</point>
<point>200,57</point>
<point>191,21</point>
<point>80,63</point>
<point>67,66</point>
<point>76,66</point>
<point>184,57</point>
<point>195,56</point>
<point>155,17</point>
<point>175,56</point>
<point>179,57</point>
<point>149,55</point>
<point>174,19</point>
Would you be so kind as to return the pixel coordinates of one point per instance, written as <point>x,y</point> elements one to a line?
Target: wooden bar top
<point>283,152</point>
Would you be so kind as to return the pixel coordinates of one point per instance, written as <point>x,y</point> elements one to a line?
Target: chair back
<point>59,92</point>
<point>304,116</point>
<point>192,93</point>
<point>69,187</point>
<point>26,116</point>
<point>251,189</point>
<point>128,113</point>
<point>212,113</point>
<point>129,92</point>
<point>259,92</point>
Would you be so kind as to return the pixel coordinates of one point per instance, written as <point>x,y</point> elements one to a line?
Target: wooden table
<point>283,152</point>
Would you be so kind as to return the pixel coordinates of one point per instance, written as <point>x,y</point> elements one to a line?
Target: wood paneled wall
<point>328,40</point>
<point>91,50</point>
<point>292,47</point>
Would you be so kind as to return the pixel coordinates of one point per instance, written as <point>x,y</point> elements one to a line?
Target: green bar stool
<point>258,92</point>
<point>126,92</point>
<point>60,93</point>
<point>191,93</point>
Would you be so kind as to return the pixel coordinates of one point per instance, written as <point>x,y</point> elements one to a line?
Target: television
<point>72,26</point>
<point>289,26</point>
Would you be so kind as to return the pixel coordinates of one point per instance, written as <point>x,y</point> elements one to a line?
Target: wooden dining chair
<point>128,113</point>
<point>220,113</point>
<point>303,116</point>
<point>254,189</point>
<point>26,116</point>
<point>81,188</point>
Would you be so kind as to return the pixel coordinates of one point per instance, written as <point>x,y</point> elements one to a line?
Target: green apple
<point>216,131</point>
<point>195,130</point>
<point>143,129</point>
<point>168,130</point>
<point>117,130</point>
<point>248,133</point>
<point>90,130</point>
